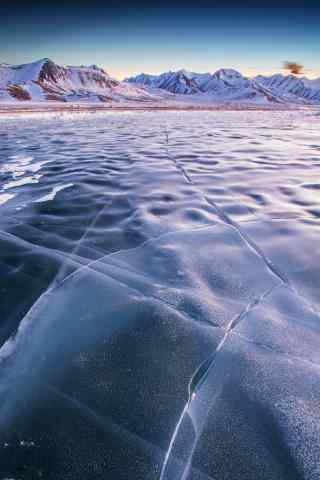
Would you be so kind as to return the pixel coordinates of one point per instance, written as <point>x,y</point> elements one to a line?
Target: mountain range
<point>45,81</point>
<point>230,85</point>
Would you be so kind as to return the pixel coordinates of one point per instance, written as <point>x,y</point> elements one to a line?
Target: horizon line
<point>308,73</point>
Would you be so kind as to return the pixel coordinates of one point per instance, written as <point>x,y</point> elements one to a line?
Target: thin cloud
<point>294,67</point>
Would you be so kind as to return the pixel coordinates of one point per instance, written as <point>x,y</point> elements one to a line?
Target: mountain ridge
<point>44,80</point>
<point>277,88</point>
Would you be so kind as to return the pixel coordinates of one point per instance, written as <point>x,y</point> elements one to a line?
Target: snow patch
<point>50,196</point>
<point>5,197</point>
<point>22,181</point>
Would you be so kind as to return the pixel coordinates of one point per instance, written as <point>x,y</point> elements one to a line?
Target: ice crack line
<point>200,376</point>
<point>202,372</point>
<point>93,266</point>
<point>226,219</point>
<point>108,425</point>
<point>176,163</point>
<point>246,238</point>
<point>92,224</point>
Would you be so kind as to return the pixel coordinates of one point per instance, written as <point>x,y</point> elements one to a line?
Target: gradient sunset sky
<point>127,38</point>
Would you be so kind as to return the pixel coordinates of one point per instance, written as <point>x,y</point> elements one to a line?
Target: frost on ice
<point>160,319</point>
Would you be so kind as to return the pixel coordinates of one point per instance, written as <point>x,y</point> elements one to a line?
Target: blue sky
<point>132,37</point>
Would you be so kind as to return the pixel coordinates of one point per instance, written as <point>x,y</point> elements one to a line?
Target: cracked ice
<point>160,278</point>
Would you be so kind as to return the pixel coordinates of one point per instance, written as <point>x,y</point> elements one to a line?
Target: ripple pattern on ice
<point>160,319</point>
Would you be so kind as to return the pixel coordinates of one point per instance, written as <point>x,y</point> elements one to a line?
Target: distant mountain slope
<point>181,82</point>
<point>292,88</point>
<point>230,85</point>
<point>45,80</point>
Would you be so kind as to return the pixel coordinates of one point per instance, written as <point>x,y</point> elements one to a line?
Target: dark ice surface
<point>160,296</point>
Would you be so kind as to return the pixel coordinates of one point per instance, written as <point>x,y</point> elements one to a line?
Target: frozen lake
<point>159,296</point>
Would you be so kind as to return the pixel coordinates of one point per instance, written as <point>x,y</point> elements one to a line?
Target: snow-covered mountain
<point>231,86</point>
<point>181,82</point>
<point>45,80</point>
<point>292,88</point>
<point>225,85</point>
<point>312,83</point>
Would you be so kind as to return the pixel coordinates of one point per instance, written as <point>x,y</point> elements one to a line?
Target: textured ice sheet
<point>160,318</point>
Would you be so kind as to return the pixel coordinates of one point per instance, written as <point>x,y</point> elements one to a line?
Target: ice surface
<point>160,316</point>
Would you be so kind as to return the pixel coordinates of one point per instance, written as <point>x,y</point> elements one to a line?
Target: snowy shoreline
<point>11,108</point>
